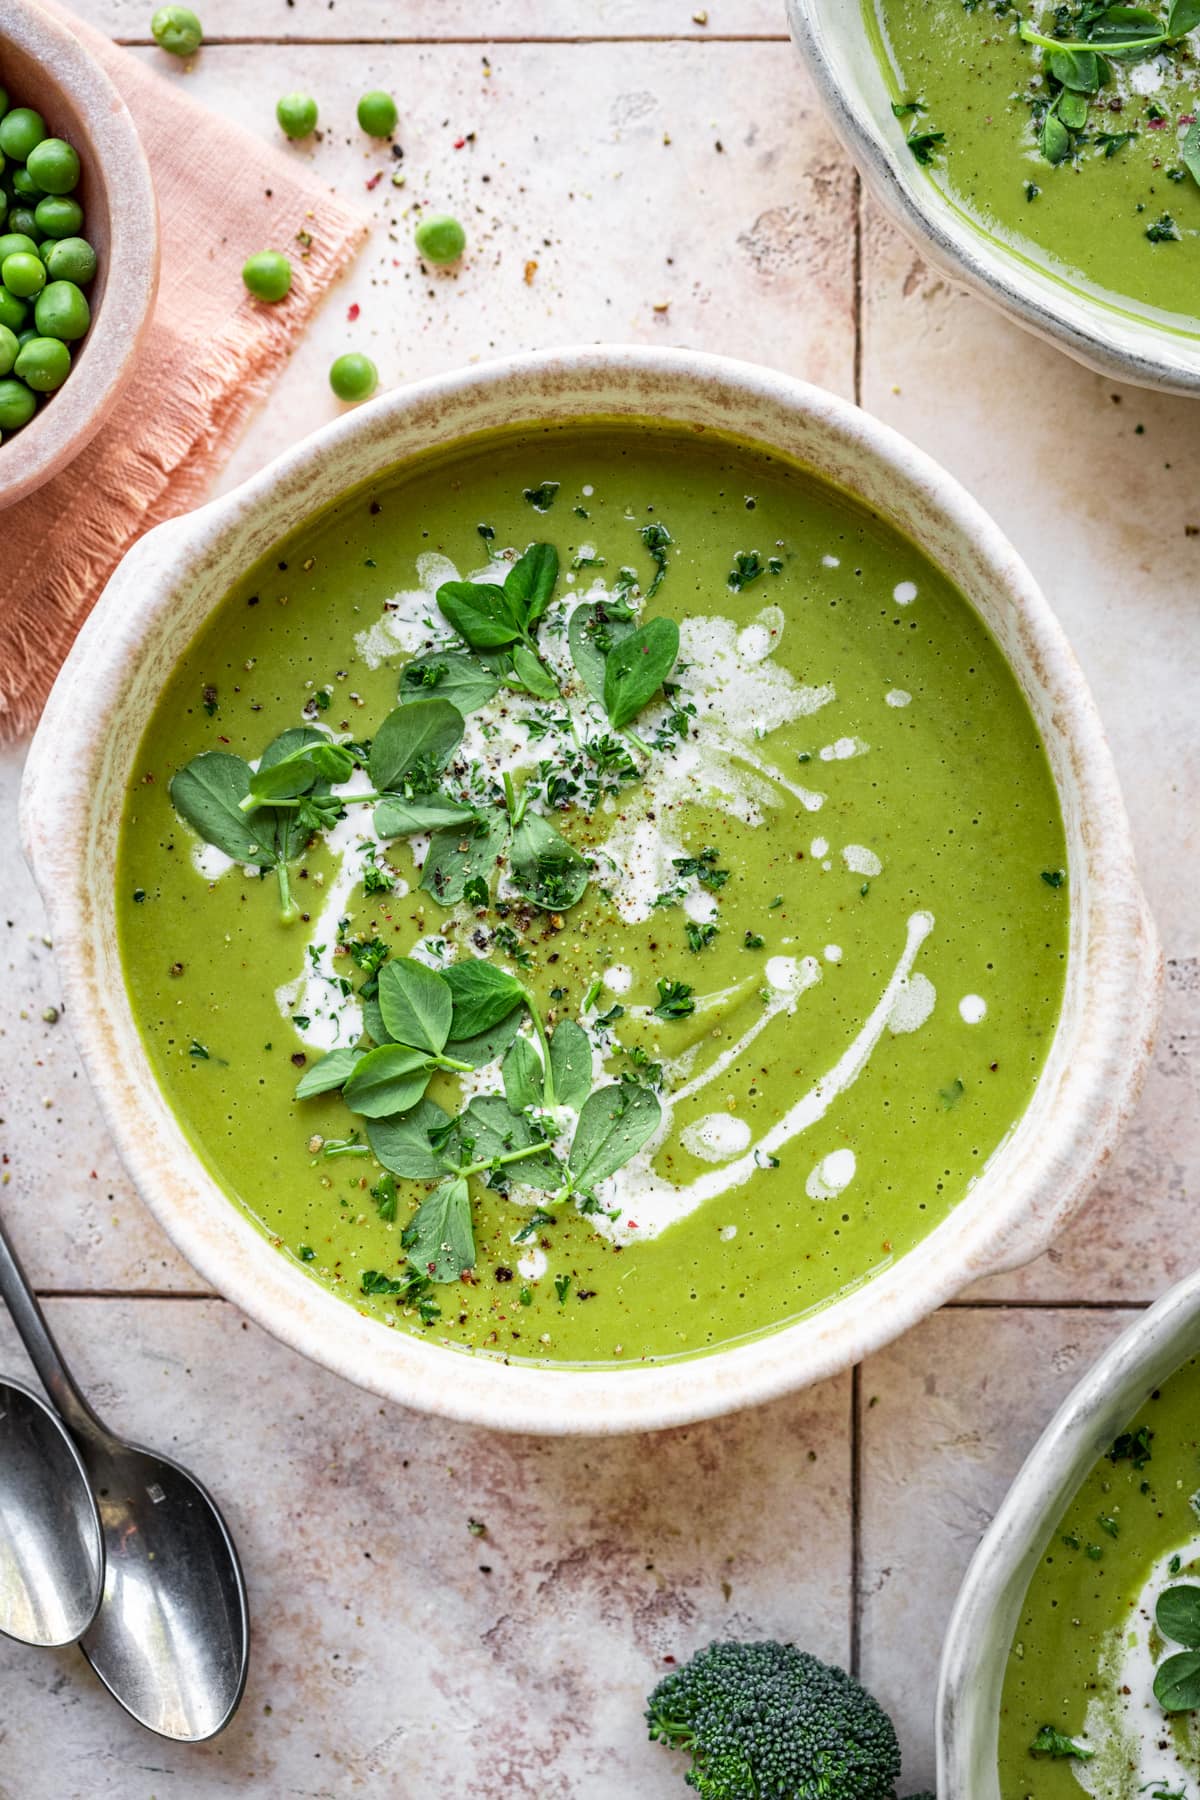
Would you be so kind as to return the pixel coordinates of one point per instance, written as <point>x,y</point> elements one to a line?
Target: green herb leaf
<point>481,613</point>
<point>533,675</point>
<point>397,817</point>
<point>545,867</point>
<point>571,1064</point>
<point>482,994</point>
<point>593,630</point>
<point>489,1130</point>
<point>465,681</point>
<point>904,109</point>
<point>925,145</point>
<point>521,1073</point>
<point>462,853</point>
<point>658,541</point>
<point>402,1142</point>
<point>636,668</point>
<point>1177,1615</point>
<point>613,1125</point>
<point>1177,1683</point>
<point>414,744</point>
<point>1182,16</point>
<point>417,1005</point>
<point>387,1080</point>
<point>207,793</point>
<point>674,1000</point>
<point>488,1046</point>
<point>299,770</point>
<point>1191,150</point>
<point>438,1237</point>
<point>542,497</point>
<point>1050,1742</point>
<point>1054,140</point>
<point>333,1071</point>
<point>529,584</point>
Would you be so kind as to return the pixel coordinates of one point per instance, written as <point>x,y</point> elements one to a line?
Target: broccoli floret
<point>769,1722</point>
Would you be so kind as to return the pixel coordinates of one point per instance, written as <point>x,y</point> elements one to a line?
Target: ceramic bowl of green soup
<point>1072,1662</point>
<point>1046,155</point>
<point>592,891</point>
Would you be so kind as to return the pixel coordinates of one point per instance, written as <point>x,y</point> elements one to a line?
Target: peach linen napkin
<point>208,360</point>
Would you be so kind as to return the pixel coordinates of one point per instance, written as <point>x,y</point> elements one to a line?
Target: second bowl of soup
<point>603,863</point>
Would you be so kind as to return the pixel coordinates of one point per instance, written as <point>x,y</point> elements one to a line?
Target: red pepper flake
<point>1156,124</point>
<point>1187,118</point>
<point>631,1224</point>
<point>460,143</point>
<point>374,180</point>
<point>530,272</point>
<point>353,310</point>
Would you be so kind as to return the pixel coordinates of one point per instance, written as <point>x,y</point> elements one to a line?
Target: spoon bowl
<point>51,1545</point>
<point>171,1638</point>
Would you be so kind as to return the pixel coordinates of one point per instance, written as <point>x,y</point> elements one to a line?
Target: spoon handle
<point>38,1340</point>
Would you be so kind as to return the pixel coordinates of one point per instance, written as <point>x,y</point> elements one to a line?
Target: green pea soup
<point>825,922</point>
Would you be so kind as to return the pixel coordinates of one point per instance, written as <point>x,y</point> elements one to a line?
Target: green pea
<point>267,275</point>
<point>297,114</point>
<point>44,364</point>
<point>17,403</point>
<point>21,131</point>
<point>8,349</point>
<point>13,242</point>
<point>440,239</point>
<point>22,219</point>
<point>177,30</point>
<point>58,217</point>
<point>24,185</point>
<point>71,259</point>
<point>13,312</point>
<point>54,165</point>
<point>353,376</point>
<point>377,114</point>
<point>61,311</point>
<point>23,275</point>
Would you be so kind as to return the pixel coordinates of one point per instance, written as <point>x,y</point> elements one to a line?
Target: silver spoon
<point>171,1640</point>
<point>51,1545</point>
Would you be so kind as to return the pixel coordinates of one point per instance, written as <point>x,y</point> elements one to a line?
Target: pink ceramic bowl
<point>43,65</point>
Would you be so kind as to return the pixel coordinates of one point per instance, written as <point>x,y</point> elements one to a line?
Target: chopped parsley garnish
<point>674,999</point>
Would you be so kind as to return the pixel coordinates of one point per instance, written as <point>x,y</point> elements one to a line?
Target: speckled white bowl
<point>43,64</point>
<point>832,38</point>
<point>989,1602</point>
<point>171,581</point>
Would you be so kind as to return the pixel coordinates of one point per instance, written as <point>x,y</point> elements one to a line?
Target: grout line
<point>189,1294</point>
<point>856,1531</point>
<point>422,43</point>
<point>1048,1305</point>
<point>857,269</point>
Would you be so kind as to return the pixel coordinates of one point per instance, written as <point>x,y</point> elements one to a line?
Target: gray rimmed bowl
<point>169,584</point>
<point>989,1602</point>
<point>832,38</point>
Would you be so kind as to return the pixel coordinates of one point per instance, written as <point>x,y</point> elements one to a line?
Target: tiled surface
<point>397,1652</point>
<point>390,1663</point>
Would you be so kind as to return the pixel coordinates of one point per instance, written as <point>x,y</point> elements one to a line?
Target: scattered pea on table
<point>297,115</point>
<point>177,30</point>
<point>440,238</point>
<point>267,275</point>
<point>377,114</point>
<point>353,376</point>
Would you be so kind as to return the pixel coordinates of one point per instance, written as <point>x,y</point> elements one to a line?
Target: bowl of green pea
<point>78,247</point>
